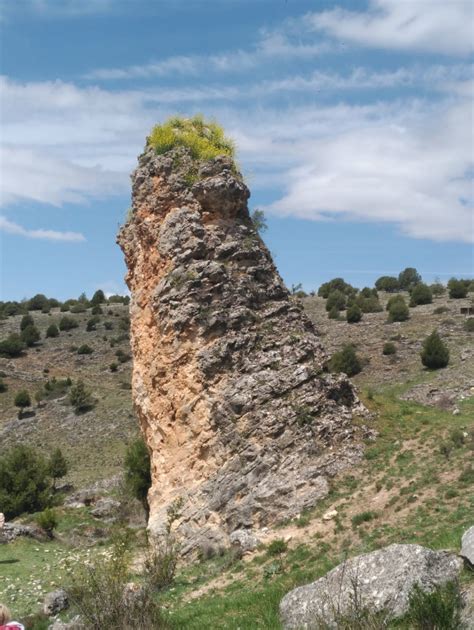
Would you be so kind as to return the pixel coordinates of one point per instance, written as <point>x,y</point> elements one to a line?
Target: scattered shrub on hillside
<point>119,299</point>
<point>80,307</point>
<point>108,325</point>
<point>205,140</point>
<point>437,288</point>
<point>26,320</point>
<point>122,356</point>
<point>48,521</point>
<point>336,299</point>
<point>80,397</point>
<point>420,294</point>
<point>98,298</point>
<point>390,284</point>
<point>346,360</point>
<point>92,323</point>
<point>469,324</point>
<point>439,608</point>
<point>96,310</point>
<point>336,284</point>
<point>398,311</point>
<point>57,466</point>
<point>103,595</point>
<point>435,353</point>
<point>113,367</point>
<point>408,278</point>
<point>85,349</point>
<point>38,302</point>
<point>389,348</point>
<point>124,323</point>
<point>277,547</point>
<point>55,388</point>
<point>64,308</point>
<point>138,472</point>
<point>3,386</point>
<point>457,289</point>
<point>13,308</point>
<point>52,331</point>
<point>440,310</point>
<point>353,314</point>
<point>22,401</point>
<point>363,517</point>
<point>67,323</point>
<point>24,482</point>
<point>30,335</point>
<point>12,346</point>
<point>333,313</point>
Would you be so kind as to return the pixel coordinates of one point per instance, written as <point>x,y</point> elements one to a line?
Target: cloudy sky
<point>353,122</point>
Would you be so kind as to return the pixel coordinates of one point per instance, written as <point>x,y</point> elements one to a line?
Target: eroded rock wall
<point>241,420</point>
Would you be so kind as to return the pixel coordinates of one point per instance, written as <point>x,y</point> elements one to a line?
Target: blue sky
<point>353,122</point>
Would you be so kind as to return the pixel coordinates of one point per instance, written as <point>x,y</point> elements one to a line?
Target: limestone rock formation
<point>377,581</point>
<point>241,419</point>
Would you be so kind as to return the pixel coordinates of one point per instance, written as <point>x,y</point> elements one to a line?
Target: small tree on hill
<point>98,298</point>
<point>259,221</point>
<point>58,466</point>
<point>398,311</point>
<point>12,346</point>
<point>420,294</point>
<point>138,472</point>
<point>408,278</point>
<point>387,283</point>
<point>346,360</point>
<point>22,401</point>
<point>353,314</point>
<point>435,353</point>
<point>457,289</point>
<point>336,299</point>
<point>80,397</point>
<point>38,302</point>
<point>26,320</point>
<point>52,331</point>
<point>30,335</point>
<point>67,323</point>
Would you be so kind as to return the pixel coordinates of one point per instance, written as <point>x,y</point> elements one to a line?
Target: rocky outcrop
<point>229,381</point>
<point>380,582</point>
<point>467,546</point>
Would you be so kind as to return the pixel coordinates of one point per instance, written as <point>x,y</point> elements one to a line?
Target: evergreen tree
<point>435,353</point>
<point>353,314</point>
<point>408,278</point>
<point>26,320</point>
<point>12,346</point>
<point>52,331</point>
<point>346,360</point>
<point>58,466</point>
<point>80,397</point>
<point>398,311</point>
<point>336,299</point>
<point>22,401</point>
<point>421,294</point>
<point>137,471</point>
<point>98,298</point>
<point>30,335</point>
<point>457,289</point>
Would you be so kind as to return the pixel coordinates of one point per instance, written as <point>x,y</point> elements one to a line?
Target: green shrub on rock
<point>346,360</point>
<point>435,353</point>
<point>138,471</point>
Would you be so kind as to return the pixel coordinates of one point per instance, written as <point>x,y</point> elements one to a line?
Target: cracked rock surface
<point>242,420</point>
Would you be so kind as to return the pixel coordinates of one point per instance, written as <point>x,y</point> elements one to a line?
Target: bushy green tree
<point>97,310</point>
<point>37,302</point>
<point>336,284</point>
<point>80,307</point>
<point>85,349</point>
<point>12,346</point>
<point>67,323</point>
<point>435,353</point>
<point>457,289</point>
<point>98,298</point>
<point>420,294</point>
<point>390,284</point>
<point>57,466</point>
<point>398,311</point>
<point>353,314</point>
<point>437,288</point>
<point>259,221</point>
<point>92,323</point>
<point>336,299</point>
<point>26,320</point>
<point>48,521</point>
<point>138,472</point>
<point>346,360</point>
<point>25,485</point>
<point>80,397</point>
<point>30,335</point>
<point>408,278</point>
<point>369,304</point>
<point>389,348</point>
<point>52,331</point>
<point>13,308</point>
<point>22,401</point>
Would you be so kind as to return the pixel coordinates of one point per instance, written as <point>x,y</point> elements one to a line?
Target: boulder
<point>467,545</point>
<point>378,581</point>
<point>105,508</point>
<point>55,602</point>
<point>244,539</point>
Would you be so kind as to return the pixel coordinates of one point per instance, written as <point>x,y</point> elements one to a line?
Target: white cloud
<point>437,26</point>
<point>48,235</point>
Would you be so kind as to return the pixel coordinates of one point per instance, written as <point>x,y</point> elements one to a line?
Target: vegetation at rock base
<point>439,609</point>
<point>346,360</point>
<point>138,471</point>
<point>204,139</point>
<point>435,353</point>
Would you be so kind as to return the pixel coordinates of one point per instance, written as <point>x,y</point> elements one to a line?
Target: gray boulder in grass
<point>467,545</point>
<point>379,581</point>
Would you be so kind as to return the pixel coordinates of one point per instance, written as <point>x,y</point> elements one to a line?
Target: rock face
<point>467,545</point>
<point>229,385</point>
<point>379,581</point>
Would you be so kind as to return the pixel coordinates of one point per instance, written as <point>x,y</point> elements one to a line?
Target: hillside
<point>414,485</point>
